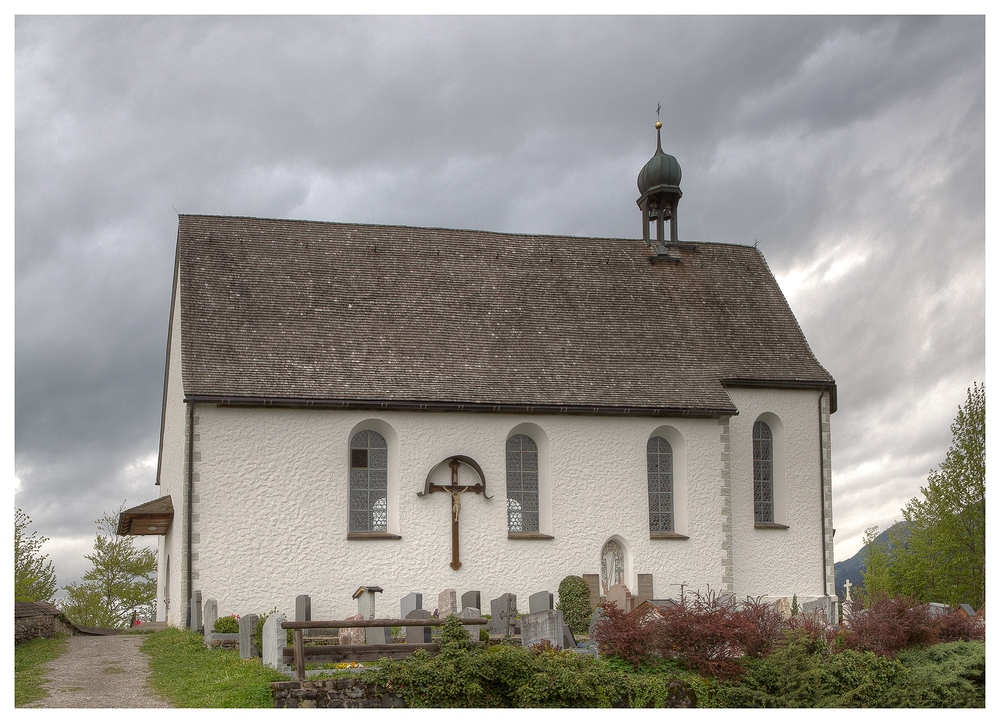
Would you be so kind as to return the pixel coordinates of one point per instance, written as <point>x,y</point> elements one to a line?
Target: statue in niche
<point>612,565</point>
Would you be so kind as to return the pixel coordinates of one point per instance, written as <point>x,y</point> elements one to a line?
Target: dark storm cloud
<point>850,148</point>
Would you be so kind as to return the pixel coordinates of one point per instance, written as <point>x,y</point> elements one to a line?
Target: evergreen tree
<point>119,587</point>
<point>34,576</point>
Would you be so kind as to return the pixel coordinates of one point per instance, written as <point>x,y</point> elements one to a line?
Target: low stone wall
<point>333,693</point>
<point>41,626</point>
<point>226,641</point>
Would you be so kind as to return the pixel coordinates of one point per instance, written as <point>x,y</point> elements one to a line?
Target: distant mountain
<point>851,568</point>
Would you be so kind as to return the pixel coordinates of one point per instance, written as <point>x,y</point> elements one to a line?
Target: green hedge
<point>506,676</point>
<point>804,674</point>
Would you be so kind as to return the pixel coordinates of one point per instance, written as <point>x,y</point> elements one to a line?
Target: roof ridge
<point>518,234</point>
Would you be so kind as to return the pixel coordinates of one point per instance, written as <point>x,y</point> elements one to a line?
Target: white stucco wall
<point>172,482</point>
<point>270,517</point>
<point>777,562</point>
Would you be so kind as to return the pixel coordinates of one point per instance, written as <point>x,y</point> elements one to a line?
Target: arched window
<point>660,482</point>
<point>369,482</point>
<point>522,484</point>
<point>763,473</point>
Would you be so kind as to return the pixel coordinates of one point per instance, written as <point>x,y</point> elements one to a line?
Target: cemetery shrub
<point>803,673</point>
<point>890,625</point>
<point>948,675</point>
<point>228,624</point>
<point>759,626</point>
<point>622,635</point>
<point>574,601</point>
<point>887,626</point>
<point>507,676</point>
<point>955,626</point>
<point>708,633</point>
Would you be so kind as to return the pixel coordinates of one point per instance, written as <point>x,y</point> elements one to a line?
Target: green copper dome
<point>660,170</point>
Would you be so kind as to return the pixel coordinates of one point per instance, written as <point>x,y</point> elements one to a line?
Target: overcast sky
<point>851,150</point>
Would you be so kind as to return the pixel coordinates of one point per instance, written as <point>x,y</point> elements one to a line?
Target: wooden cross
<point>455,490</point>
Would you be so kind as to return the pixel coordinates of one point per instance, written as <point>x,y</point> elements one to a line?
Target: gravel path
<point>100,671</point>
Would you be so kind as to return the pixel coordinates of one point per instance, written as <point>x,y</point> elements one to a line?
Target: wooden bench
<point>300,653</point>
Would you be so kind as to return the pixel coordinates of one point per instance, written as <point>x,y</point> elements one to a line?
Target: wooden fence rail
<point>299,653</point>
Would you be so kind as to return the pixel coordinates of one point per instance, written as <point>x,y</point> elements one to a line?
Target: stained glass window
<point>660,481</point>
<point>522,484</point>
<point>369,482</point>
<point>763,473</point>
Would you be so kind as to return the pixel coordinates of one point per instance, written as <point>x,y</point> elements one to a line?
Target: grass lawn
<point>29,673</point>
<point>189,675</point>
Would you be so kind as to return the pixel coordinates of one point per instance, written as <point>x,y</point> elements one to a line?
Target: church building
<point>422,408</point>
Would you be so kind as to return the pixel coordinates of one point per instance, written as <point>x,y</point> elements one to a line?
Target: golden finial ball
<point>658,125</point>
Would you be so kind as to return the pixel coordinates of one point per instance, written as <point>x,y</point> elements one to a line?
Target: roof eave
<point>457,406</point>
<point>819,385</point>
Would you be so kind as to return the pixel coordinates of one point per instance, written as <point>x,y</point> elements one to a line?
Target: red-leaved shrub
<point>759,626</point>
<point>889,625</point>
<point>623,635</point>
<point>706,633</point>
<point>813,625</point>
<point>956,626</point>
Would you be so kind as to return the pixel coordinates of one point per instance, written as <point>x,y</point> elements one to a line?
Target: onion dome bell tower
<point>660,188</point>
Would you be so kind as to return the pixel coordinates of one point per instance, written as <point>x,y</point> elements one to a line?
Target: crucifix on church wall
<point>456,491</point>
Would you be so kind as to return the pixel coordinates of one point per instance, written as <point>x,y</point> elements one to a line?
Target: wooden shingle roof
<point>354,313</point>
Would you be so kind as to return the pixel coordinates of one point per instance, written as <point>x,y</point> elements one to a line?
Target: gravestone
<point>211,615</point>
<point>247,647</point>
<point>273,640</point>
<point>352,636</point>
<point>303,609</point>
<point>471,600</point>
<point>594,586</point>
<point>447,605</point>
<point>783,607</point>
<point>196,623</point>
<point>540,601</point>
<point>472,630</point>
<point>620,596</point>
<point>413,601</point>
<point>418,633</point>
<point>544,625</point>
<point>365,595</point>
<point>594,618</point>
<point>503,614</point>
<point>644,590</point>
<point>568,640</point>
<point>825,605</point>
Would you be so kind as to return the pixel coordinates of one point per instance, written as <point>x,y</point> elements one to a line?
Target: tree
<point>120,586</point>
<point>940,555</point>
<point>876,580</point>
<point>34,576</point>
